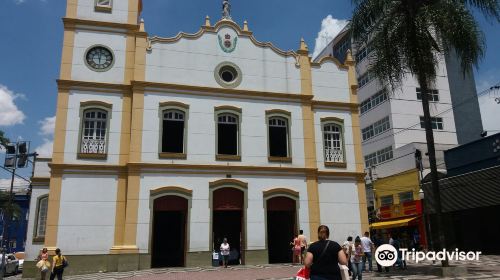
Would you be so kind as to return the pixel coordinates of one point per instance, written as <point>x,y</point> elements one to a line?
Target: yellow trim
<point>309,139</point>
<point>71,8</point>
<point>166,155</point>
<point>129,59</point>
<point>171,189</point>
<point>332,119</point>
<point>363,206</point>
<point>133,11</point>
<point>329,59</point>
<point>214,29</point>
<point>336,164</point>
<point>121,200</point>
<point>40,181</point>
<point>94,25</point>
<point>174,104</point>
<point>60,126</point>
<point>125,128</point>
<point>223,182</point>
<point>228,157</point>
<point>227,108</point>
<point>279,159</point>
<point>275,191</point>
<point>278,112</point>
<point>91,156</point>
<point>53,210</point>
<point>131,214</point>
<point>392,224</point>
<point>91,103</point>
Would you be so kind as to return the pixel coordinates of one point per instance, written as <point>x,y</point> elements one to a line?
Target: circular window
<point>99,58</point>
<point>228,75</point>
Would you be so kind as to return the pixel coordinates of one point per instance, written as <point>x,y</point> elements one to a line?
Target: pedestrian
<point>400,262</point>
<point>378,241</point>
<point>348,248</point>
<point>356,257</point>
<point>43,263</point>
<point>324,256</point>
<point>297,255</point>
<point>59,262</point>
<point>224,250</point>
<point>367,244</point>
<point>303,245</point>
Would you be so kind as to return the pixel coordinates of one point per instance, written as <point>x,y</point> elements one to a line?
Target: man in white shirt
<point>367,244</point>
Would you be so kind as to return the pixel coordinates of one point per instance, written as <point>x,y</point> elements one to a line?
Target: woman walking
<point>297,255</point>
<point>224,250</point>
<point>324,256</point>
<point>58,264</point>
<point>356,257</point>
<point>43,264</point>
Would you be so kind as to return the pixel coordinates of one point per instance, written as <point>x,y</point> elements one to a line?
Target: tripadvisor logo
<point>387,255</point>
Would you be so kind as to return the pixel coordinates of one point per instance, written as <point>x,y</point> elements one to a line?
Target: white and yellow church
<point>164,146</point>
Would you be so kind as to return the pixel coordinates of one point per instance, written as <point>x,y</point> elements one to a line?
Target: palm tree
<point>409,37</point>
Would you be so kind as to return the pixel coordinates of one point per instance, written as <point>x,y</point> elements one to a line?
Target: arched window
<point>94,131</point>
<point>278,137</point>
<point>41,216</point>
<point>227,134</point>
<point>333,142</point>
<point>173,131</point>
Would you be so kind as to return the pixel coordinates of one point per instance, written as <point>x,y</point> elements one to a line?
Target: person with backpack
<point>324,256</point>
<point>59,262</point>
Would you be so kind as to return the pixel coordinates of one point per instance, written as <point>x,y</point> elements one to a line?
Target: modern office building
<point>163,146</point>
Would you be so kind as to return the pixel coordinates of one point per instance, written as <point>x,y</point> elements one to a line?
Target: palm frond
<point>489,8</point>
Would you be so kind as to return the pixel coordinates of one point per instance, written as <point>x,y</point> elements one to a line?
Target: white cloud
<point>19,1</point>
<point>330,27</point>
<point>490,110</point>
<point>18,184</point>
<point>45,150</point>
<point>48,125</point>
<point>9,113</point>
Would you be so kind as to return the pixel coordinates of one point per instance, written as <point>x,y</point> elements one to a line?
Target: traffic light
<point>22,161</point>
<point>11,149</point>
<point>22,148</point>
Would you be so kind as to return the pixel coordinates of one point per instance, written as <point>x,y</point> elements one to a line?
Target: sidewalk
<point>487,268</point>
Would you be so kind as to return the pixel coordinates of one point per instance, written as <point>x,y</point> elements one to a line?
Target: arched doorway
<point>227,221</point>
<point>281,228</point>
<point>169,231</point>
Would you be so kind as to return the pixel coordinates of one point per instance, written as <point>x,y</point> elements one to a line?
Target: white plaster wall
<point>330,83</point>
<point>87,214</point>
<point>42,168</point>
<point>339,208</point>
<point>348,138</point>
<point>201,146</point>
<point>193,61</point>
<point>31,250</point>
<point>84,39</point>
<point>200,215</point>
<point>74,121</point>
<point>119,12</point>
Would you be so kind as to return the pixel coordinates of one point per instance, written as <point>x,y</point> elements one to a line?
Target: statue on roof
<point>226,9</point>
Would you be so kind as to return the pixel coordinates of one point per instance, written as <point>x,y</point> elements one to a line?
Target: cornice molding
<point>71,23</point>
<point>74,84</point>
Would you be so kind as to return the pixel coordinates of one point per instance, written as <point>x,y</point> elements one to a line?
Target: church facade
<point>164,146</point>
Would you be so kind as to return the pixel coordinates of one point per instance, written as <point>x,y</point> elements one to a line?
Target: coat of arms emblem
<point>226,44</point>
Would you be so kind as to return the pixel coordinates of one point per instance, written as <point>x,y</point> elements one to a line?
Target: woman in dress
<point>224,250</point>
<point>324,256</point>
<point>43,263</point>
<point>297,250</point>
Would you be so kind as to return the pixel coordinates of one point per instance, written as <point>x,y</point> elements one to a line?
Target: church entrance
<point>281,228</point>
<point>169,231</point>
<point>228,217</point>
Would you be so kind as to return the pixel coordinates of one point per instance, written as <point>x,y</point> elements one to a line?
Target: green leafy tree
<point>409,37</point>
<point>3,140</point>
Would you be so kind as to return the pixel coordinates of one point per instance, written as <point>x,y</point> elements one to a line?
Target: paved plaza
<point>487,268</point>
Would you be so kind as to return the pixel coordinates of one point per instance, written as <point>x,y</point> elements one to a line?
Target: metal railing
<point>93,146</point>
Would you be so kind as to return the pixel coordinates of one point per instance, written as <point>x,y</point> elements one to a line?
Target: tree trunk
<point>429,135</point>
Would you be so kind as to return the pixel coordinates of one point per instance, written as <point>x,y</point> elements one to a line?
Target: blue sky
<point>31,39</point>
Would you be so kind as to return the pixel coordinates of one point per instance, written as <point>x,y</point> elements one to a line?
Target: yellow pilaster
<point>309,139</point>
<point>356,133</point>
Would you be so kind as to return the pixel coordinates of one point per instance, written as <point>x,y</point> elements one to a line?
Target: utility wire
<point>443,112</point>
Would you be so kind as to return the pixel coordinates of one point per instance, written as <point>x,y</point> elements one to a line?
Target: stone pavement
<point>487,268</point>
